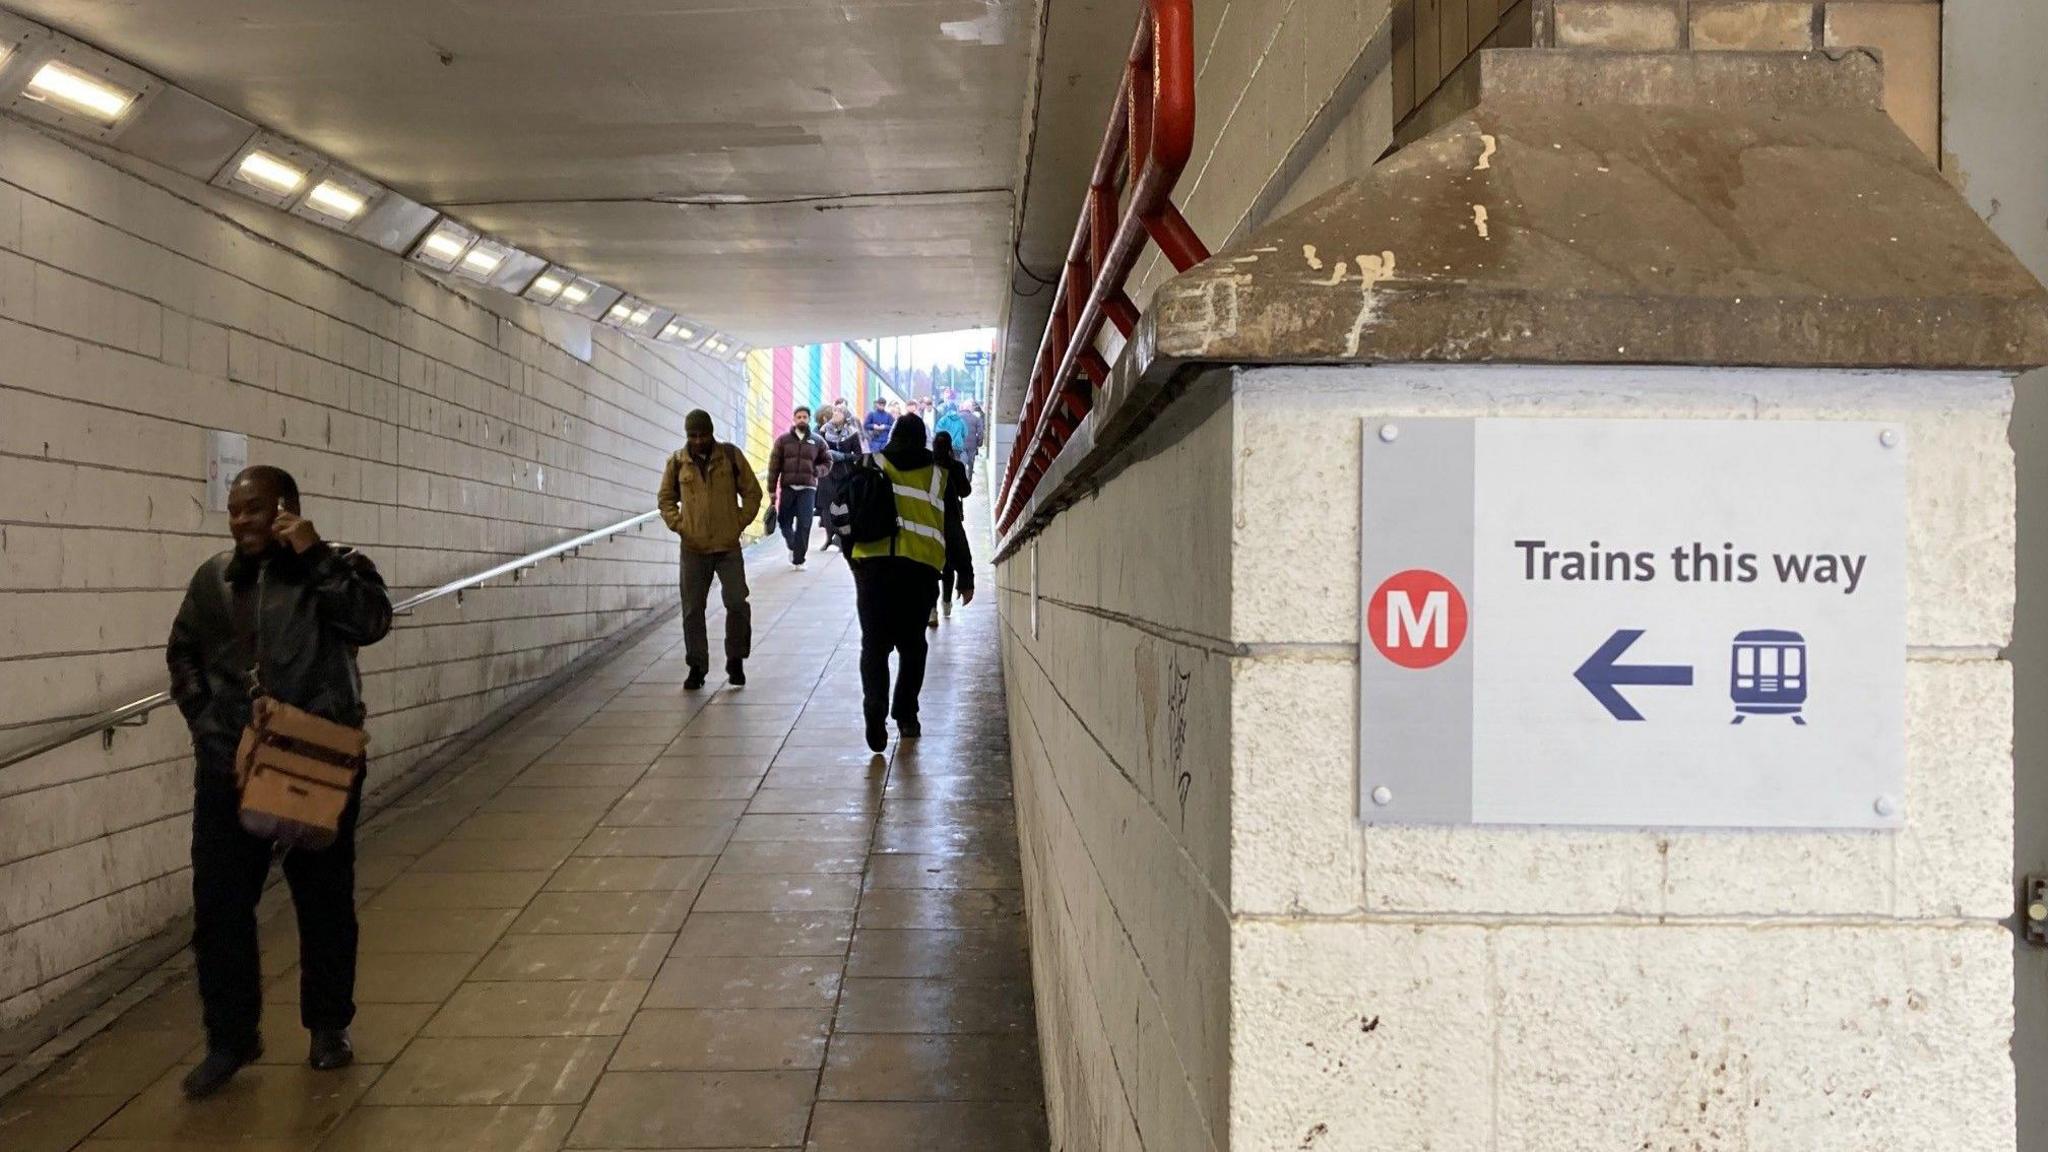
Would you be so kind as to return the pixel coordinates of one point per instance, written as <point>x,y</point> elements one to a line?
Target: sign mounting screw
<point>1383,795</point>
<point>1889,438</point>
<point>1886,806</point>
<point>1389,433</point>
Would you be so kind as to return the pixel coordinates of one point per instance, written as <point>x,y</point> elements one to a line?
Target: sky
<point>934,349</point>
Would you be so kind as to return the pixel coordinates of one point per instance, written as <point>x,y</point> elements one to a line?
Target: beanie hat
<point>697,421</point>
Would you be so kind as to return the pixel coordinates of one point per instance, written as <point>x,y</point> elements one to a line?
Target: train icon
<point>1767,674</point>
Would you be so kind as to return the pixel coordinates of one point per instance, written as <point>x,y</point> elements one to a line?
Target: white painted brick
<point>1355,1035</point>
<point>1294,831</point>
<point>1808,1038</point>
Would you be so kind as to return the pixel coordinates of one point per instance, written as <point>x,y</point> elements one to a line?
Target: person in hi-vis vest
<point>896,580</point>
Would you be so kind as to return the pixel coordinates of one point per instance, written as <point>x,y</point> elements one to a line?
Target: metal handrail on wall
<point>137,712</point>
<point>1152,126</point>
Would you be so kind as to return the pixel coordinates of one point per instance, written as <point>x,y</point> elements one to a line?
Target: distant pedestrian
<point>896,581</point>
<point>952,424</point>
<point>708,497</point>
<point>876,426</point>
<point>842,443</point>
<point>970,447</point>
<point>959,557</point>
<point>276,619</point>
<point>796,465</point>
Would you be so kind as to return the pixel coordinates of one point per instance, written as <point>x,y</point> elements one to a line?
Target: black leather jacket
<point>298,617</point>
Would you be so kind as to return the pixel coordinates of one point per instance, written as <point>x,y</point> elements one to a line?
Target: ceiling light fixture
<point>546,288</point>
<point>88,93</point>
<point>444,245</point>
<point>69,88</point>
<point>270,173</point>
<point>483,259</point>
<point>337,201</point>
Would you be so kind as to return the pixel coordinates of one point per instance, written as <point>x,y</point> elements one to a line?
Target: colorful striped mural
<point>781,379</point>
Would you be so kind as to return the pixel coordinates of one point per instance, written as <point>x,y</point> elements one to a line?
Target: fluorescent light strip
<point>445,245</point>
<point>483,261</point>
<point>331,199</point>
<point>641,316</point>
<point>59,83</point>
<point>270,173</point>
<point>575,294</point>
<point>546,288</point>
<point>620,311</point>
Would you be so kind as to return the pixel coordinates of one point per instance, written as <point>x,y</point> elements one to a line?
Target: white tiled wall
<point>1120,723</point>
<point>442,431</point>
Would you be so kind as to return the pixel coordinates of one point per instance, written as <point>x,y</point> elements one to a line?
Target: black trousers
<point>793,515</point>
<point>229,867</point>
<point>895,597</point>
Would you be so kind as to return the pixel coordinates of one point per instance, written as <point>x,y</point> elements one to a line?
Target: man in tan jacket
<point>708,497</point>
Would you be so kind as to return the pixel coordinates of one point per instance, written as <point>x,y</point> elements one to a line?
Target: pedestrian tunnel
<point>1509,576</point>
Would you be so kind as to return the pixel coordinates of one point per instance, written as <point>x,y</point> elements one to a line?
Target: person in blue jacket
<point>878,424</point>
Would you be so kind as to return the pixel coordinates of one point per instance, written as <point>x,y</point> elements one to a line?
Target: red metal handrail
<point>1152,124</point>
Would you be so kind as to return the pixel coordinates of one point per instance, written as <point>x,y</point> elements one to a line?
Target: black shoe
<point>694,681</point>
<point>330,1050</point>
<point>798,562</point>
<point>878,735</point>
<point>909,729</point>
<point>736,673</point>
<point>220,1066</point>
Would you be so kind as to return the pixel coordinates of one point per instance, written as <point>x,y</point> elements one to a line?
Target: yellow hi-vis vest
<point>920,516</point>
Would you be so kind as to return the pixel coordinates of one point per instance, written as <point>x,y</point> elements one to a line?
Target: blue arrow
<point>1600,674</point>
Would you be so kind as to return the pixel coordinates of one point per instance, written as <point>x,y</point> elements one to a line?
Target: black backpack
<point>864,505</point>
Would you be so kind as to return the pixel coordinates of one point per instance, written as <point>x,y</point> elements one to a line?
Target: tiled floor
<point>646,918</point>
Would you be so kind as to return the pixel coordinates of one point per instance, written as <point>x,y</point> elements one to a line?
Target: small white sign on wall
<point>1034,589</point>
<point>227,453</point>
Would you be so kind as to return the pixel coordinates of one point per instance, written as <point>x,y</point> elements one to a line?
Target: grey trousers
<point>731,570</point>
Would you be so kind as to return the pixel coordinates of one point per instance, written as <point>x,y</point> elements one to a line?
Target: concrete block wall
<point>1471,988</point>
<point>1120,717</point>
<point>441,430</point>
<point>1906,32</point>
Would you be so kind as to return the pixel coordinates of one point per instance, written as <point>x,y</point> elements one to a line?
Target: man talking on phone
<point>287,609</point>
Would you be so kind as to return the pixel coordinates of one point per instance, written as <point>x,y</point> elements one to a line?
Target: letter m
<point>1406,628</point>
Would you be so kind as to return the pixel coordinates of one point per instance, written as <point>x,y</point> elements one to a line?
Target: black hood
<point>907,447</point>
<point>907,457</point>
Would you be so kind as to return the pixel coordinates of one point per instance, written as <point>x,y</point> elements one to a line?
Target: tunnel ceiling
<point>787,170</point>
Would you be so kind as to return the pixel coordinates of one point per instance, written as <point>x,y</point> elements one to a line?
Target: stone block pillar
<point>1671,237</point>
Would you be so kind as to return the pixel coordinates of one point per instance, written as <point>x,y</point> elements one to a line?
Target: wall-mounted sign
<point>1632,622</point>
<point>227,453</point>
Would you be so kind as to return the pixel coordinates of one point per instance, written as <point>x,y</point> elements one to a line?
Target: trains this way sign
<point>1632,622</point>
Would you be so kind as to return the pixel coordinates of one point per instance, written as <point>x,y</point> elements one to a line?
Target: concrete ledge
<point>1602,208</point>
